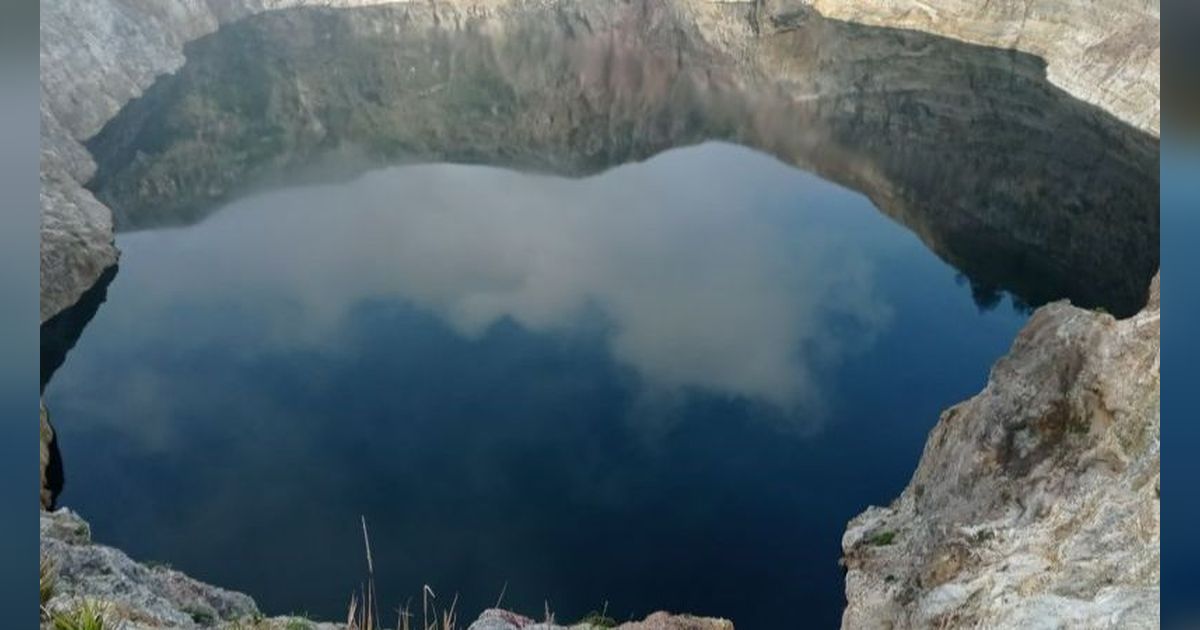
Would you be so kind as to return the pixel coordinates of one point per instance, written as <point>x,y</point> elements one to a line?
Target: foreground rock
<point>140,596</point>
<point>1036,503</point>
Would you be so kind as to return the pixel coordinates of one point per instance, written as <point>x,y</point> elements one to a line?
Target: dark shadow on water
<point>59,333</point>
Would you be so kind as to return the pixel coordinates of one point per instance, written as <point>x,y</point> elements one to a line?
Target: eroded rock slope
<point>1036,503</point>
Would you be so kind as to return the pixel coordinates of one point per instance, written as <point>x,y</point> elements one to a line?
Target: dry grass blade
<point>47,579</point>
<point>363,611</point>
<point>503,590</point>
<point>367,543</point>
<point>449,621</point>
<point>405,617</point>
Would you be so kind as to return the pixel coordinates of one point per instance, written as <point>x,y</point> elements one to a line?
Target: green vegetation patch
<point>882,539</point>
<point>298,623</point>
<point>598,620</point>
<point>88,614</point>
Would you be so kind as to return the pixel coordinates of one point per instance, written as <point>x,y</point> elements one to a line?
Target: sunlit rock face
<point>1037,501</point>
<point>1105,52</point>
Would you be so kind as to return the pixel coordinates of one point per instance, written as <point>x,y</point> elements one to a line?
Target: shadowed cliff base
<point>60,333</point>
<point>1002,174</point>
<point>58,336</point>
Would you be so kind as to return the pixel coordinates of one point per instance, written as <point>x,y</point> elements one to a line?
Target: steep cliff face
<point>1036,503</point>
<point>1105,52</point>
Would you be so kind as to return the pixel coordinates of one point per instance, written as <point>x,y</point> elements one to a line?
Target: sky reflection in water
<point>656,387</point>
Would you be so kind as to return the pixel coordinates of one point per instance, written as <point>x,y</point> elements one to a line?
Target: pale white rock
<point>1036,503</point>
<point>1105,52</point>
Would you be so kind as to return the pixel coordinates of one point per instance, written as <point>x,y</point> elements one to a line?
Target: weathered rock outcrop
<point>1036,503</point>
<point>141,596</point>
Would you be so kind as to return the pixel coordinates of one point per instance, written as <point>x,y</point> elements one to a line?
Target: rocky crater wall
<point>1035,502</point>
<point>98,56</point>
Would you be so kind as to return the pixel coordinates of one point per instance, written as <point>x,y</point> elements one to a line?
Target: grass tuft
<point>363,611</point>
<point>598,620</point>
<point>298,623</point>
<point>88,614</point>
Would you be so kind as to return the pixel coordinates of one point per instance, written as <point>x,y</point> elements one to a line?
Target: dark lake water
<point>666,386</point>
<point>625,362</point>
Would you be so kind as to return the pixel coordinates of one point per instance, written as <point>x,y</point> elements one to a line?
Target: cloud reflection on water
<point>697,283</point>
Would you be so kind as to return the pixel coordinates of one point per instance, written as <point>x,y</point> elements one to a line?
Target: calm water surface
<point>666,386</point>
<point>663,380</point>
